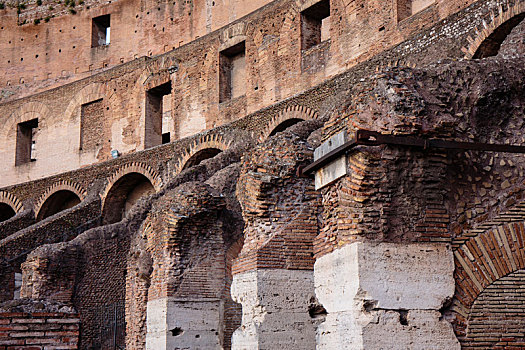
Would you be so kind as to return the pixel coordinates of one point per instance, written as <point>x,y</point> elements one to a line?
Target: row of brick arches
<point>126,187</point>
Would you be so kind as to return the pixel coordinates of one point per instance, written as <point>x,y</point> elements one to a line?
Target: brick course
<point>39,331</point>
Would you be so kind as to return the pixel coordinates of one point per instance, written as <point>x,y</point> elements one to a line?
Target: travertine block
<point>385,296</point>
<point>275,309</point>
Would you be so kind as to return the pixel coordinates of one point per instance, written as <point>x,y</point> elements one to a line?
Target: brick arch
<point>64,185</point>
<point>133,180</point>
<point>11,200</point>
<point>482,260</point>
<point>289,114</point>
<point>207,142</point>
<point>26,112</point>
<point>89,93</point>
<point>129,168</point>
<point>501,23</point>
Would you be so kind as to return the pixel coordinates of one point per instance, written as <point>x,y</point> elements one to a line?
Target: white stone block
<point>174,324</point>
<point>275,309</point>
<point>385,296</point>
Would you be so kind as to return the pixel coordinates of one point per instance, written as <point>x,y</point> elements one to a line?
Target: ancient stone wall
<point>39,325</point>
<point>273,73</point>
<point>409,250</point>
<point>49,44</point>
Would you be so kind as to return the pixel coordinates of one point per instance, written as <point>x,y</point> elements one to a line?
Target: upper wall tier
<point>282,50</point>
<point>52,43</point>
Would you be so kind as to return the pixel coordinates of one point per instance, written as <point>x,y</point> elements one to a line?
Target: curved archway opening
<point>285,125</point>
<point>57,202</point>
<point>201,155</point>
<point>6,212</point>
<point>491,45</point>
<point>123,195</point>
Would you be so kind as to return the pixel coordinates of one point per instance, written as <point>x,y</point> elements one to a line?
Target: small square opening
<point>101,31</point>
<point>156,110</point>
<point>26,142</point>
<point>232,72</point>
<point>315,24</point>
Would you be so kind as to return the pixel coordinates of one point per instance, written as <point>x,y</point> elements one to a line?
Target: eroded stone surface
<point>385,295</point>
<point>274,309</point>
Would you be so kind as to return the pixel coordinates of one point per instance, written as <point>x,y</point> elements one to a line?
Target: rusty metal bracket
<point>374,138</point>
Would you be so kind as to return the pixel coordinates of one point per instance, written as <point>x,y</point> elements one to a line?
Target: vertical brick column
<point>273,275</point>
<point>7,282</point>
<point>188,237</point>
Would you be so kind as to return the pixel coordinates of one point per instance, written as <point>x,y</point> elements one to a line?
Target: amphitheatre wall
<point>413,247</point>
<point>81,123</point>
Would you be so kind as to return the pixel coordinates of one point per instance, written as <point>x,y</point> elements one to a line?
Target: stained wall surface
<point>276,68</point>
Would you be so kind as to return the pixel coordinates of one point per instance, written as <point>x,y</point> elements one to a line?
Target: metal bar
<point>374,138</point>
<point>330,156</point>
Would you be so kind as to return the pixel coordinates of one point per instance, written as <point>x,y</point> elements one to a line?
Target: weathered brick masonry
<point>38,325</point>
<point>216,239</point>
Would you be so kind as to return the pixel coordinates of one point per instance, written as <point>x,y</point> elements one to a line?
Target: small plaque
<point>337,168</point>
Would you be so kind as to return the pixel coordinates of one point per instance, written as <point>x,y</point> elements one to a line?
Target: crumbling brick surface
<point>279,208</point>
<point>34,324</point>
<point>98,259</point>
<point>190,235</point>
<point>247,209</point>
<point>465,101</point>
<point>16,223</point>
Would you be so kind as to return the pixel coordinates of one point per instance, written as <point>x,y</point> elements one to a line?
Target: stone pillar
<point>385,295</point>
<point>273,275</point>
<point>189,232</point>
<point>181,324</point>
<point>274,309</point>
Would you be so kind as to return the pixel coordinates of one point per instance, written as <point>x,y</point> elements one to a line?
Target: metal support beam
<point>373,138</point>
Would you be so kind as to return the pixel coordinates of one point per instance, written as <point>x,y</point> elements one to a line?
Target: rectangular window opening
<point>315,24</point>
<point>101,31</point>
<point>407,8</point>
<point>157,110</point>
<point>18,285</point>
<point>232,72</point>
<point>25,142</point>
<point>166,138</point>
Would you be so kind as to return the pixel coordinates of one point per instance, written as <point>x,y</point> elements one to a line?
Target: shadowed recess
<point>198,157</point>
<point>491,45</point>
<point>6,212</point>
<point>57,202</point>
<point>123,195</point>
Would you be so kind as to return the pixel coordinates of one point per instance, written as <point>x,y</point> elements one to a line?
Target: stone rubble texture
<point>216,239</point>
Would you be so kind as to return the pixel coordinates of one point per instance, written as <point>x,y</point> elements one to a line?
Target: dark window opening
<point>155,112</point>
<point>232,72</point>
<point>315,24</point>
<point>6,212</point>
<point>166,138</point>
<point>407,8</point>
<point>25,142</point>
<point>101,31</point>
